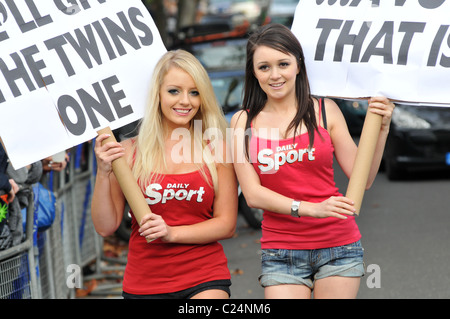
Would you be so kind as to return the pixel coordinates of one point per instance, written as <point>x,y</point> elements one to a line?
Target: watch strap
<point>295,208</point>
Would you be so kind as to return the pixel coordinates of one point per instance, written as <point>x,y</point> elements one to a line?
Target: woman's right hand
<point>106,154</point>
<point>335,206</point>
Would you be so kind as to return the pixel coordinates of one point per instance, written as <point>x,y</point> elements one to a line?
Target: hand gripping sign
<point>69,68</point>
<point>356,49</point>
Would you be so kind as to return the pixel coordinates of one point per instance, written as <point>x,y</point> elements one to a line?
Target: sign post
<point>366,150</point>
<point>127,182</point>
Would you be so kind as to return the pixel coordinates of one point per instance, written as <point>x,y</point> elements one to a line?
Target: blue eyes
<point>176,91</point>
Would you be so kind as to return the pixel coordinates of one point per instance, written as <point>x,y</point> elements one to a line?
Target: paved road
<point>405,227</point>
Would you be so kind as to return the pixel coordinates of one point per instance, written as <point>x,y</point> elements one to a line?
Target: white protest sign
<point>69,68</point>
<point>361,48</point>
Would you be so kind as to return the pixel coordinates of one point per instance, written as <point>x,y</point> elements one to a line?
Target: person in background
<point>49,164</point>
<point>310,240</point>
<point>8,191</point>
<point>190,189</point>
<point>24,177</point>
<point>7,184</point>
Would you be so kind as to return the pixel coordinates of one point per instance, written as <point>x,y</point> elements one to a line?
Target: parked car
<point>419,137</point>
<point>283,7</point>
<point>354,112</point>
<point>253,10</point>
<point>282,11</point>
<point>250,8</point>
<point>213,27</point>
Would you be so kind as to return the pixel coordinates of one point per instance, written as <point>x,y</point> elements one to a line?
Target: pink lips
<point>182,112</point>
<point>277,85</point>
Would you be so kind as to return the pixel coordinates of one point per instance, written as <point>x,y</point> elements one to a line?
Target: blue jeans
<point>302,267</point>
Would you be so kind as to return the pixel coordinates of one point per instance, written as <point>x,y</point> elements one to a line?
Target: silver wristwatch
<point>294,208</point>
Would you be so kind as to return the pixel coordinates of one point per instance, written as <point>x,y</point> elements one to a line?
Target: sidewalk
<point>106,282</point>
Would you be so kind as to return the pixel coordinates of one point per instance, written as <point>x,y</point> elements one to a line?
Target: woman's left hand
<point>382,106</point>
<point>153,226</point>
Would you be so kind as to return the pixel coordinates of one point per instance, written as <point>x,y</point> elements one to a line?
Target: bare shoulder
<point>331,106</point>
<point>239,119</point>
<point>219,150</point>
<point>333,113</point>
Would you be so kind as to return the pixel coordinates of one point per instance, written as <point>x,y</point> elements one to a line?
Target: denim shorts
<point>302,267</point>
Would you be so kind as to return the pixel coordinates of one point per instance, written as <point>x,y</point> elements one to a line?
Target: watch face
<point>294,208</point>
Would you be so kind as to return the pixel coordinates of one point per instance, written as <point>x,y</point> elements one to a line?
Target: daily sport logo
<point>179,191</point>
<point>270,161</point>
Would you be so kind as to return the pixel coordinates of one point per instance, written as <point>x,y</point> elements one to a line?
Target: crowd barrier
<point>50,264</point>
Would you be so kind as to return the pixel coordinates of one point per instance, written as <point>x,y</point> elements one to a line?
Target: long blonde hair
<point>149,150</point>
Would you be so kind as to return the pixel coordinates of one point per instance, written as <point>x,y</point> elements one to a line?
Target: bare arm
<point>383,107</point>
<point>345,148</point>
<point>261,197</point>
<point>108,201</point>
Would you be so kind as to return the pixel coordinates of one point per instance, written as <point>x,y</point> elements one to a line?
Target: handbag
<point>44,207</point>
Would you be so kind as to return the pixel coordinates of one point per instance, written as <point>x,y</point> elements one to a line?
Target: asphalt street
<point>405,234</point>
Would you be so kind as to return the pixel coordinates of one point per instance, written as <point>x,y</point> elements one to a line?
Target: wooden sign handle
<point>127,182</point>
<point>364,157</point>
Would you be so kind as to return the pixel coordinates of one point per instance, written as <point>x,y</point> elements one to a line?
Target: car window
<point>228,90</point>
<point>221,54</point>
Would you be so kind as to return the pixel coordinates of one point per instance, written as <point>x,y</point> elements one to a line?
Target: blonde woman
<point>179,161</point>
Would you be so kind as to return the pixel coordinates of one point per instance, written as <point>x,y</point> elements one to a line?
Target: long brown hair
<point>278,37</point>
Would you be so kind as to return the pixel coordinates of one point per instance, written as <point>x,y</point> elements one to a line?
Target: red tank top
<point>289,168</point>
<point>158,267</point>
